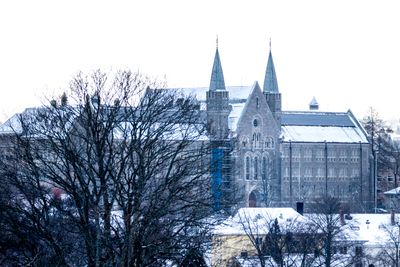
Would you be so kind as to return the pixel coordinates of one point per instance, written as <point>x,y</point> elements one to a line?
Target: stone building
<point>269,157</point>
<point>263,156</point>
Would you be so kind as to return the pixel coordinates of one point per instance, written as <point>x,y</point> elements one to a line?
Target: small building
<point>392,199</point>
<point>237,240</point>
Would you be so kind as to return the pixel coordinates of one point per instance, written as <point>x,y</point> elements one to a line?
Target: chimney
<point>341,214</point>
<point>392,217</point>
<point>300,207</point>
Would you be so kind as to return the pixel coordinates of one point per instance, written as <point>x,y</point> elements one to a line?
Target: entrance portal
<point>252,200</point>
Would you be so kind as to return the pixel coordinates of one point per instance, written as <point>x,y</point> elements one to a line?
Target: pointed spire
<point>217,76</point>
<point>270,81</point>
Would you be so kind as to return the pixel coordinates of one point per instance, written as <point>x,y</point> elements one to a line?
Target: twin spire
<point>217,81</point>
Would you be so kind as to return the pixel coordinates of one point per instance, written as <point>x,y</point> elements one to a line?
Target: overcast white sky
<point>345,53</point>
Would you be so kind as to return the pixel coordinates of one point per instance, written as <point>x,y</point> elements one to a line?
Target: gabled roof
<point>31,115</point>
<point>374,230</point>
<point>259,219</point>
<point>11,125</point>
<point>40,117</point>
<point>270,81</point>
<point>217,81</point>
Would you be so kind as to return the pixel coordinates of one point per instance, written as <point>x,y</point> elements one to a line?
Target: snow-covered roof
<point>259,219</point>
<point>322,134</point>
<point>237,98</point>
<point>40,117</point>
<point>254,261</point>
<point>321,127</point>
<point>13,124</point>
<point>394,191</point>
<point>373,230</point>
<point>233,118</point>
<point>170,132</point>
<point>178,131</point>
<point>366,228</point>
<point>235,92</point>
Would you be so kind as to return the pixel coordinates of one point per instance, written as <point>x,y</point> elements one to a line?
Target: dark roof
<point>317,119</point>
<point>270,80</point>
<point>217,76</point>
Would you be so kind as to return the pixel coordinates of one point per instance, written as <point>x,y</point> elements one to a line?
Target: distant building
<point>364,239</point>
<point>238,241</point>
<point>263,156</point>
<point>271,157</point>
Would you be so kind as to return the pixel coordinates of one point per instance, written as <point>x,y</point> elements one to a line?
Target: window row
<point>319,154</point>
<point>319,190</point>
<point>257,168</point>
<point>258,142</point>
<point>321,172</point>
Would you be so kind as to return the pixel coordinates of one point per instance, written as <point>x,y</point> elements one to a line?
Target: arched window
<point>244,141</point>
<point>264,168</point>
<point>255,123</point>
<point>255,168</point>
<point>252,200</point>
<point>247,167</point>
<point>267,142</point>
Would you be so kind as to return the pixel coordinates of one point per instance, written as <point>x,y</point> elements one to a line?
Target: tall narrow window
<point>264,168</point>
<point>355,155</point>
<point>331,172</point>
<point>255,168</point>
<point>320,155</point>
<point>247,168</point>
<point>308,154</point>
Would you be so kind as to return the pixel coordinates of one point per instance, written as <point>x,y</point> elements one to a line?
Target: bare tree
<point>381,147</point>
<point>290,243</point>
<point>330,224</point>
<point>123,168</point>
<point>268,171</point>
<point>393,158</point>
<point>389,253</point>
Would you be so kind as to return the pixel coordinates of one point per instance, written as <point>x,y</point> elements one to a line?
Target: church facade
<point>268,157</point>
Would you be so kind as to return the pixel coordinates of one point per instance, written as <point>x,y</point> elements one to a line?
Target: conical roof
<point>314,104</point>
<point>217,76</point>
<point>270,81</point>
